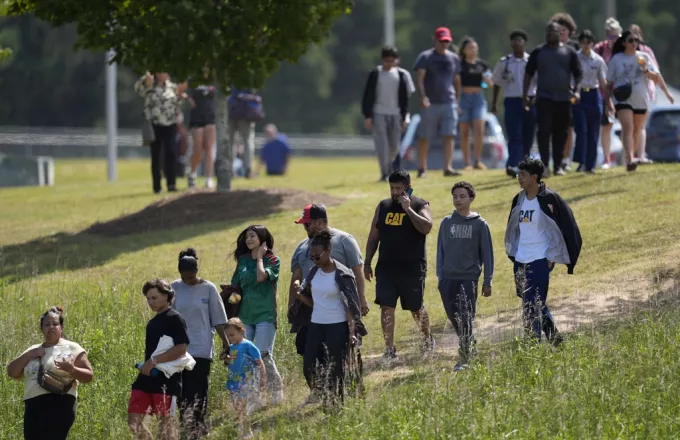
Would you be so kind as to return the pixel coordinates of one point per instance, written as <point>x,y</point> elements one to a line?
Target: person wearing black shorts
<point>399,228</point>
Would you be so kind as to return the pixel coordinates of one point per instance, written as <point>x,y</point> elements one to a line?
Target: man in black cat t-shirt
<point>400,226</point>
<point>157,395</point>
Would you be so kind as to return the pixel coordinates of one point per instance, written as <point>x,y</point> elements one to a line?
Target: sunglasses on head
<point>317,257</point>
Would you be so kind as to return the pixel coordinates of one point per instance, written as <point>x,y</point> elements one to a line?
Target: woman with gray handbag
<point>51,372</point>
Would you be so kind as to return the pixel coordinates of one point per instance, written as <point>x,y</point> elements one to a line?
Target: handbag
<point>300,313</point>
<point>148,135</point>
<point>623,92</point>
<point>232,309</point>
<point>51,382</point>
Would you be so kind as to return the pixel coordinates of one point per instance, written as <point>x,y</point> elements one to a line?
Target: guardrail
<point>85,142</point>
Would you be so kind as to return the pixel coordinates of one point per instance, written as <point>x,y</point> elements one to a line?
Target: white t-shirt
<point>64,348</point>
<point>625,69</point>
<point>387,90</point>
<point>328,306</point>
<point>533,243</point>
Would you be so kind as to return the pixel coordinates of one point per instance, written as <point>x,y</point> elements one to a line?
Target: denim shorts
<point>438,119</point>
<point>473,106</point>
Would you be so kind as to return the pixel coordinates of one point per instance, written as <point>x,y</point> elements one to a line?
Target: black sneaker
<point>451,173</point>
<point>383,178</point>
<point>631,167</point>
<point>512,172</point>
<point>421,173</point>
<point>390,355</point>
<point>557,340</point>
<point>581,168</point>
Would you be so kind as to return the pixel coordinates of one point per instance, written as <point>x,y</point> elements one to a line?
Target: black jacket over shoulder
<point>368,100</point>
<point>559,215</point>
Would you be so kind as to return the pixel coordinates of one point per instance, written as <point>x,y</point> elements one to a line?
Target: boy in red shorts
<point>157,395</point>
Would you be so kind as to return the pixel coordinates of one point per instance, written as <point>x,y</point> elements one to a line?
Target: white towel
<point>185,362</point>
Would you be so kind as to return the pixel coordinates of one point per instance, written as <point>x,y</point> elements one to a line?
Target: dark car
<point>663,134</point>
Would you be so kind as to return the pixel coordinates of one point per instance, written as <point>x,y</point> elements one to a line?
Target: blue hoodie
<point>463,247</point>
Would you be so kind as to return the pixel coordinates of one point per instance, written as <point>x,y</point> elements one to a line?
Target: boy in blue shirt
<point>241,379</point>
<point>275,152</point>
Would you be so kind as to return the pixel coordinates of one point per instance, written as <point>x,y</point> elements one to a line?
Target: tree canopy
<point>242,41</point>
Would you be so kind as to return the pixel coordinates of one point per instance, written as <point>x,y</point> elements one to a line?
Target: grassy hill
<point>615,378</point>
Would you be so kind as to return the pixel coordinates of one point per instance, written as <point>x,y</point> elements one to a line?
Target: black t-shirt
<point>471,74</point>
<point>204,97</point>
<point>169,323</point>
<point>402,246</point>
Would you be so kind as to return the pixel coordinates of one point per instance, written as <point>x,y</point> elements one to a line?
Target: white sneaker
<point>277,398</point>
<point>209,183</point>
<point>605,166</point>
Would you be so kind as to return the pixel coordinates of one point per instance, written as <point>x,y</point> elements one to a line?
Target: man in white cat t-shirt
<point>541,233</point>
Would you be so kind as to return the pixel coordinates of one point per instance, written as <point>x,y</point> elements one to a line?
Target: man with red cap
<point>438,83</point>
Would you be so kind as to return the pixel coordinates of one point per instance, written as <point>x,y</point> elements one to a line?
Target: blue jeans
<point>473,107</point>
<point>587,120</point>
<point>262,335</point>
<point>532,281</point>
<point>520,126</point>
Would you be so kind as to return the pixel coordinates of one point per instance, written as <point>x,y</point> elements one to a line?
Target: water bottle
<point>155,372</point>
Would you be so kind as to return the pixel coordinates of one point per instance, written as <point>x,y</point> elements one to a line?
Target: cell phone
<point>409,191</point>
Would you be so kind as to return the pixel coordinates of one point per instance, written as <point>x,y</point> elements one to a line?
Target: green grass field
<point>615,379</point>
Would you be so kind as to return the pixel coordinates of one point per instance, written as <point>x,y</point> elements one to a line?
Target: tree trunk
<point>225,152</point>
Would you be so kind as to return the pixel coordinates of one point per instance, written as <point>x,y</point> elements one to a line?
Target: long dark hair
<point>263,235</point>
<point>619,44</point>
<point>463,44</point>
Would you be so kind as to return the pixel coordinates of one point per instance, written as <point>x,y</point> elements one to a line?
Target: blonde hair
<point>237,324</point>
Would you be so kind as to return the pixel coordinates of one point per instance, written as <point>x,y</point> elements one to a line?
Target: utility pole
<point>111,116</point>
<point>389,22</point>
<point>609,8</point>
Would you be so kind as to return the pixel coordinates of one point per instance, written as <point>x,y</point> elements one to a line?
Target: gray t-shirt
<point>387,90</point>
<point>558,68</point>
<point>202,308</point>
<point>625,69</point>
<point>440,70</point>
<point>344,248</point>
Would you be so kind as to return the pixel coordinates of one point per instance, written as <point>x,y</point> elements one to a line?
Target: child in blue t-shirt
<point>244,356</point>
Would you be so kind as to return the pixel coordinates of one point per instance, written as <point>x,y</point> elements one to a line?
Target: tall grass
<point>618,381</point>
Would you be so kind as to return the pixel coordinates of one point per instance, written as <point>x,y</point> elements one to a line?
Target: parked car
<point>494,149</point>
<point>663,133</point>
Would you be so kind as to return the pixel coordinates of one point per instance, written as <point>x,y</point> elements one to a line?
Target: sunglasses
<point>316,258</point>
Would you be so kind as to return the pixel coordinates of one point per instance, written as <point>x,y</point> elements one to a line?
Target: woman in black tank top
<point>474,75</point>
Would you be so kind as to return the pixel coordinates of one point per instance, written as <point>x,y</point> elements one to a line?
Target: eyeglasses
<point>316,258</point>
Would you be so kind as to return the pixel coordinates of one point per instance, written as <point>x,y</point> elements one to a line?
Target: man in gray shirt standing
<point>385,107</point>
<point>438,83</point>
<point>556,64</point>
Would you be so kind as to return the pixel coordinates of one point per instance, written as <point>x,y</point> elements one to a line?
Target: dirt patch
<point>204,206</point>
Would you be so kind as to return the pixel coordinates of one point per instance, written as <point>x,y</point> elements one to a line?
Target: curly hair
<point>566,20</point>
<point>466,186</point>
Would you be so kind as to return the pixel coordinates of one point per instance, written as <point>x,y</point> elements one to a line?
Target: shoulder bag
<point>51,382</point>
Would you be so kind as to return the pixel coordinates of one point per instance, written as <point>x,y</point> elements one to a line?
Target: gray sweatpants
<point>386,137</point>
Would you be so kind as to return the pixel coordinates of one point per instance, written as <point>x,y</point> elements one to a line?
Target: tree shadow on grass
<point>169,220</point>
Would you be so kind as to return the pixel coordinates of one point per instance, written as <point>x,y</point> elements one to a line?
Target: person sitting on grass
<point>244,356</point>
<point>155,394</point>
<point>464,245</point>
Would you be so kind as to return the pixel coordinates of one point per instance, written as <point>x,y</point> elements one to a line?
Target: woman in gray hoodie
<point>463,247</point>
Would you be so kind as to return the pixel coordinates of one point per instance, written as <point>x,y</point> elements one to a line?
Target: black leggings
<point>552,118</point>
<point>324,358</point>
<point>49,417</point>
<point>193,403</point>
<point>166,141</point>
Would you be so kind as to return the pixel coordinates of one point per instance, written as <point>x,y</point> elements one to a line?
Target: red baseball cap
<point>312,212</point>
<point>443,34</point>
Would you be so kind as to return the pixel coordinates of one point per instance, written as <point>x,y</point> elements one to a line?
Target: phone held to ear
<point>409,191</point>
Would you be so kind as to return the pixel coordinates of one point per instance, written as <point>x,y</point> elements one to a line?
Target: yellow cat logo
<point>394,218</point>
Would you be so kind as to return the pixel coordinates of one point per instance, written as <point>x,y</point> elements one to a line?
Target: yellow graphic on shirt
<point>526,216</point>
<point>394,218</point>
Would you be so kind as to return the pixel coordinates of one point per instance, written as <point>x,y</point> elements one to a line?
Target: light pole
<point>389,22</point>
<point>111,116</point>
<point>609,8</point>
